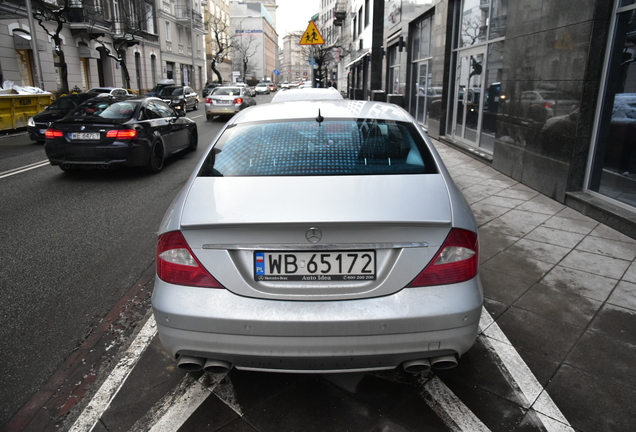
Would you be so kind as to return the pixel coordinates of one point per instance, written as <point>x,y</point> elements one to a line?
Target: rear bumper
<point>222,109</point>
<point>363,334</point>
<point>86,155</point>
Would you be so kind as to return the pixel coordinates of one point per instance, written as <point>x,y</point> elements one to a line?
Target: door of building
<point>468,101</point>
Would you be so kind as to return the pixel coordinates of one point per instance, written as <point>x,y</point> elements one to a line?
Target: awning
<point>22,41</point>
<point>87,52</point>
<point>358,59</point>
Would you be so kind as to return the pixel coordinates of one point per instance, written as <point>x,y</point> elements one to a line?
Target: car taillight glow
<point>549,105</point>
<point>176,264</point>
<point>53,133</point>
<point>456,261</point>
<point>208,100</point>
<point>122,134</point>
<point>238,100</point>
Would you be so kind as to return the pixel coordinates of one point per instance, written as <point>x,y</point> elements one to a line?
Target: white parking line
<point>520,377</point>
<point>24,169</point>
<point>109,389</point>
<point>448,407</point>
<point>177,406</point>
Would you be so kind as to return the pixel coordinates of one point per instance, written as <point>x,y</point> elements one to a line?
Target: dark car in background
<point>180,98</point>
<point>119,132</point>
<point>160,84</point>
<point>37,125</point>
<point>208,89</point>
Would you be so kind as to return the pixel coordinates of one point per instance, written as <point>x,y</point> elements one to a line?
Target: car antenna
<point>320,118</point>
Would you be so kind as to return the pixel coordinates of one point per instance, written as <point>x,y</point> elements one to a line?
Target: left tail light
<point>53,133</point>
<point>456,261</point>
<point>122,134</point>
<point>176,264</point>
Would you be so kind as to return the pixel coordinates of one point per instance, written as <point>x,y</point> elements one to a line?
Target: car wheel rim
<point>157,155</point>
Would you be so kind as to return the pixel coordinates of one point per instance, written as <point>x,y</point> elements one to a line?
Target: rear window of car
<point>108,109</point>
<point>226,91</point>
<point>310,148</point>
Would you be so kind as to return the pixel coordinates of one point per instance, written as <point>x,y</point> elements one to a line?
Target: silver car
<point>322,236</point>
<point>227,101</point>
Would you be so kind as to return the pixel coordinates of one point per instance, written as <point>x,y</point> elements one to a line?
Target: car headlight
<point>30,122</point>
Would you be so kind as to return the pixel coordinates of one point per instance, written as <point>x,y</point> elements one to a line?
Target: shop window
<point>614,164</point>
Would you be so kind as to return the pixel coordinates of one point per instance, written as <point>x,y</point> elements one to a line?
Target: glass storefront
<point>481,27</point>
<point>613,169</point>
<point>425,96</point>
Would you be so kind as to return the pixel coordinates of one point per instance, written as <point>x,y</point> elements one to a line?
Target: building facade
<point>102,43</point>
<point>181,34</point>
<point>256,40</point>
<point>545,91</point>
<point>294,64</point>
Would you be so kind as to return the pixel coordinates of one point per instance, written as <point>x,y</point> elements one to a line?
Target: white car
<point>307,94</point>
<point>262,88</point>
<point>322,236</point>
<point>108,91</point>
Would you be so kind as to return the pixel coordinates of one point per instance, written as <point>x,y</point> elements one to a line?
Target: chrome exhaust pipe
<point>190,364</point>
<point>217,366</point>
<point>416,366</point>
<point>444,362</point>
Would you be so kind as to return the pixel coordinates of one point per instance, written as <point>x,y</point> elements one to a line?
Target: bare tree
<point>245,47</point>
<point>55,13</point>
<point>221,44</point>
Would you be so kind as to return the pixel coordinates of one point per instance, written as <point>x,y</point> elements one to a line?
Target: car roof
<point>329,109</point>
<point>307,94</point>
<point>104,88</point>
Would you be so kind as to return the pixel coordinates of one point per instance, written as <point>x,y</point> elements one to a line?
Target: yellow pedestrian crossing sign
<point>312,36</point>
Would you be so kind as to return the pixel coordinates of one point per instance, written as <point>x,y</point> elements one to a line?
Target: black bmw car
<point>105,133</point>
<point>58,109</point>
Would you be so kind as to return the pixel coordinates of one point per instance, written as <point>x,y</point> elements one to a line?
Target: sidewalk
<point>562,287</point>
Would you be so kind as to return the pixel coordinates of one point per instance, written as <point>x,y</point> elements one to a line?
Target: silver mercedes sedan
<point>322,236</point>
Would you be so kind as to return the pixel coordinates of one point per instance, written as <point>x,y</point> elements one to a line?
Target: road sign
<point>312,36</point>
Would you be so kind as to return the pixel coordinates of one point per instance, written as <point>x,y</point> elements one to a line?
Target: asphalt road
<point>72,245</point>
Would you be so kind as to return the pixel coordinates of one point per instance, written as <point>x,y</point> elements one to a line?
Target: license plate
<point>84,135</point>
<point>42,131</point>
<point>314,266</point>
<point>224,102</point>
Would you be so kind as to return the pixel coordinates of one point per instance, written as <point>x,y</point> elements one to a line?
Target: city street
<point>555,351</point>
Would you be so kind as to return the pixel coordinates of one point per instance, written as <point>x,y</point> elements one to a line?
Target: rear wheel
<point>196,105</point>
<point>194,140</point>
<point>208,117</point>
<point>155,163</point>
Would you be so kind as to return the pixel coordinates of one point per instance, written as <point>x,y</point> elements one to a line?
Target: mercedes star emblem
<point>314,235</point>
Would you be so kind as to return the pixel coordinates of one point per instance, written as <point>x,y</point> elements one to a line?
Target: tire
<point>208,117</point>
<point>196,105</point>
<point>194,140</point>
<point>155,161</point>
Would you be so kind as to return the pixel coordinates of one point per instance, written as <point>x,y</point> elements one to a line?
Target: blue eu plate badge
<point>259,261</point>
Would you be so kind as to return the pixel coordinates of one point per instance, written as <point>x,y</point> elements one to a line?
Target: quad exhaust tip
<point>425,364</point>
<point>197,364</point>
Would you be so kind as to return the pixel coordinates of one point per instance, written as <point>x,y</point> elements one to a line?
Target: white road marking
<point>24,169</point>
<point>109,389</point>
<point>448,407</point>
<point>177,407</point>
<point>520,376</point>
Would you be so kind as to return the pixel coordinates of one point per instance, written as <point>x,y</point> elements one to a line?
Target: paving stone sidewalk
<point>562,287</point>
